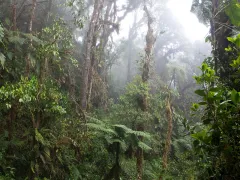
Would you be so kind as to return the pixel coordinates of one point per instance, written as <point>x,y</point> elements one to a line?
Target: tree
<point>215,137</point>
<point>215,13</point>
<point>98,5</point>
<point>150,40</point>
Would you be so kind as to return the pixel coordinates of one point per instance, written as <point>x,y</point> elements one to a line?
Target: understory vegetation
<point>111,89</point>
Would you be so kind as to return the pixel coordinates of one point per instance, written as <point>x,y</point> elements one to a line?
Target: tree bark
<point>169,133</point>
<point>131,37</point>
<point>115,171</point>
<point>48,11</point>
<point>150,40</point>
<point>14,15</point>
<point>221,28</point>
<point>34,4</point>
<point>169,136</point>
<point>92,68</point>
<point>139,155</point>
<point>88,51</point>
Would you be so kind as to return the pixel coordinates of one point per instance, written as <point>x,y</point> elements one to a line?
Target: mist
<point>119,89</point>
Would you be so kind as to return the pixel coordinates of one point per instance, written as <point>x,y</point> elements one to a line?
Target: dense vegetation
<point>79,101</point>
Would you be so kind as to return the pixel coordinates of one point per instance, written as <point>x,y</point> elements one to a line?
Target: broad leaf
<point>235,97</point>
<point>200,92</point>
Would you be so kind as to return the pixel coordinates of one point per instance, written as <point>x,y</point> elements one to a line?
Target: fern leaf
<point>39,137</point>
<point>130,131</point>
<point>143,134</point>
<point>95,120</point>
<point>125,128</point>
<point>2,59</point>
<point>101,128</point>
<point>122,143</point>
<point>144,146</point>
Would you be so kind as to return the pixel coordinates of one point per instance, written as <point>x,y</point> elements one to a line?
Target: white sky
<point>181,9</point>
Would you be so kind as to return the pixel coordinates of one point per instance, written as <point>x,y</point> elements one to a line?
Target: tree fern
<point>121,142</point>
<point>95,120</point>
<point>101,127</point>
<point>181,145</point>
<point>130,131</point>
<point>144,146</point>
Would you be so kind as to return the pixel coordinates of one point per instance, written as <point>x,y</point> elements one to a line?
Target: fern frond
<point>182,145</point>
<point>122,143</point>
<point>102,128</point>
<point>123,127</point>
<point>130,131</point>
<point>144,146</point>
<point>95,120</point>
<point>141,133</point>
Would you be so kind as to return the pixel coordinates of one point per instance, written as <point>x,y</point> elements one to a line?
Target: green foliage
<point>31,96</point>
<point>35,129</point>
<point>77,7</point>
<point>44,134</point>
<point>1,32</point>
<point>118,133</point>
<point>215,139</point>
<point>2,59</point>
<point>233,12</point>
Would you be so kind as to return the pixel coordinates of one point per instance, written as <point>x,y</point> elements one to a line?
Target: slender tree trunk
<point>129,66</point>
<point>169,133</point>
<point>88,51</point>
<point>92,67</point>
<point>10,127</point>
<point>139,155</point>
<point>34,4</point>
<point>115,171</point>
<point>48,10</point>
<point>212,30</point>
<point>118,168</point>
<point>14,15</point>
<point>150,40</point>
<point>30,26</point>
<point>90,86</point>
<point>14,28</point>
<point>105,29</point>
<point>169,136</point>
<point>131,36</point>
<point>130,44</point>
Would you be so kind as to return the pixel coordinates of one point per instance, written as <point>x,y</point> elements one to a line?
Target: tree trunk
<point>114,173</point>
<point>221,28</point>
<point>92,67</point>
<point>131,37</point>
<point>129,66</point>
<point>169,133</point>
<point>169,136</point>
<point>139,155</point>
<point>150,40</point>
<point>34,4</point>
<point>48,10</point>
<point>88,51</point>
<point>14,15</point>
